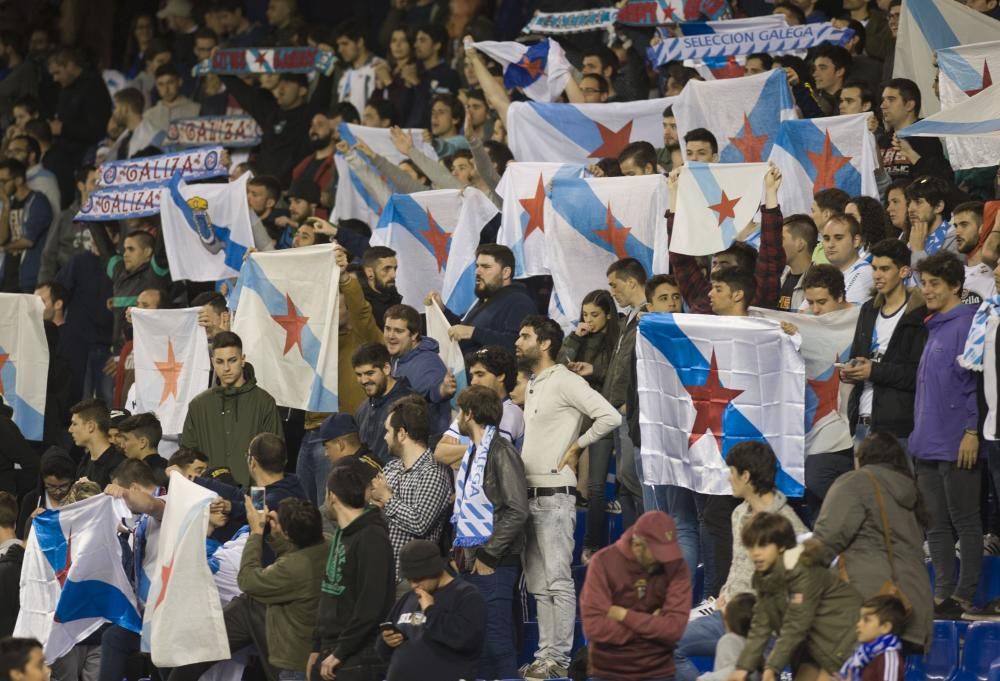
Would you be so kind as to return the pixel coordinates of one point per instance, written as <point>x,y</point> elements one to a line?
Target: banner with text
<point>197,164</point>
<point>227,131</point>
<point>769,40</point>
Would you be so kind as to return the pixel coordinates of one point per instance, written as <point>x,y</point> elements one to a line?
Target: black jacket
<point>507,489</point>
<point>99,471</point>
<point>379,300</point>
<point>84,108</point>
<point>895,377</point>
<point>357,589</point>
<point>10,588</point>
<point>497,320</point>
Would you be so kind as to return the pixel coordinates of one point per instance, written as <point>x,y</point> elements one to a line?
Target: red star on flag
<point>261,59</point>
<point>165,573</point>
<point>987,81</point>
<point>612,142</point>
<point>64,573</point>
<point>827,391</point>
<point>614,235</point>
<point>292,322</point>
<point>532,66</point>
<point>826,165</point>
<point>3,360</point>
<point>710,401</point>
<point>171,372</point>
<point>750,145</point>
<point>535,208</point>
<point>438,239</point>
<point>726,207</point>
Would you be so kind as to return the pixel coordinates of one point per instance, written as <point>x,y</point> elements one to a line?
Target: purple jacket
<point>945,404</point>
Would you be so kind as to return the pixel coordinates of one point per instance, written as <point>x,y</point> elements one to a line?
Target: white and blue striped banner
<point>228,131</point>
<point>750,41</point>
<point>196,164</point>
<point>120,203</point>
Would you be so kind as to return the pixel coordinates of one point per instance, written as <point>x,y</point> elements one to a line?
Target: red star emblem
<point>750,145</point>
<point>726,207</point>
<point>612,142</point>
<point>535,208</point>
<point>3,360</point>
<point>171,371</point>
<point>62,574</point>
<point>439,240</point>
<point>261,59</point>
<point>292,322</point>
<point>614,235</point>
<point>532,66</point>
<point>710,401</point>
<point>826,165</point>
<point>987,81</point>
<point>165,573</point>
<point>827,391</point>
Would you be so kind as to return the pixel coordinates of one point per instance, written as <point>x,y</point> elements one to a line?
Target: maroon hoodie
<point>658,605</point>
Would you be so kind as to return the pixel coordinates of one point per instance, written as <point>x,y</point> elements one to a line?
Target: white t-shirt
<point>511,425</point>
<point>858,282</point>
<point>881,335</point>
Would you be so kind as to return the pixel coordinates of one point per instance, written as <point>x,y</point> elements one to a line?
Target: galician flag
<point>582,133</point>
<point>977,117</point>
<point>171,363</point>
<point>206,228</point>
<point>744,114</point>
<point>72,580</point>
<point>450,351</point>
<point>836,152</point>
<point>707,383</point>
<point>540,70</point>
<point>24,361</point>
<point>458,289</point>
<point>595,222</point>
<point>183,622</point>
<point>524,190</point>
<point>826,339</point>
<point>964,72</point>
<point>715,201</point>
<point>420,228</point>
<point>286,313</point>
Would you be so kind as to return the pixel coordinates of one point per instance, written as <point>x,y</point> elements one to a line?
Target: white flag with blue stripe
<point>352,200</point>
<point>594,222</point>
<point>72,580</point>
<point>836,152</point>
<point>419,227</point>
<point>744,114</point>
<point>707,383</point>
<point>24,361</point>
<point>976,117</point>
<point>964,72</point>
<point>286,313</point>
<point>540,70</point>
<point>458,289</point>
<point>524,190</point>
<point>206,228</point>
<point>926,26</point>
<point>715,201</point>
<point>183,622</point>
<point>582,133</point>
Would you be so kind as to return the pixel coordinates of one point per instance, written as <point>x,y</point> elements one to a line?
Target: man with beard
<point>967,220</point>
<point>379,283</point>
<point>501,304</point>
<point>263,193</point>
<point>373,369</point>
<point>303,197</point>
<point>318,166</point>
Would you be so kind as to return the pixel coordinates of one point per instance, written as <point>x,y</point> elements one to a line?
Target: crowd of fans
<point>400,532</point>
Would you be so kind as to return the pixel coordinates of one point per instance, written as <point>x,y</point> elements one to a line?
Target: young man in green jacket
<point>288,587</point>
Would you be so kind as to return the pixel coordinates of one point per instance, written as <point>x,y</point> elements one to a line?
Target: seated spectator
<point>737,616</point>
<point>879,652</point>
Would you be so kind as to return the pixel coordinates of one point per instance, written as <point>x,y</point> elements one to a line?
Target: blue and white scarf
<point>473,517</point>
<point>972,357</point>
<point>865,653</point>
<point>935,240</point>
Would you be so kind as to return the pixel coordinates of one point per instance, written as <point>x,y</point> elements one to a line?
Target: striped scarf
<point>935,240</point>
<point>473,517</point>
<point>972,357</point>
<point>865,653</point>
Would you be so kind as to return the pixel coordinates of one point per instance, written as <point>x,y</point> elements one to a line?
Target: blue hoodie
<point>945,405</point>
<point>424,369</point>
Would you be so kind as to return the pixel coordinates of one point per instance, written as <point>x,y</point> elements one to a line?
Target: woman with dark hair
<point>141,32</point>
<point>880,498</point>
<point>874,222</point>
<point>895,210</point>
<point>397,76</point>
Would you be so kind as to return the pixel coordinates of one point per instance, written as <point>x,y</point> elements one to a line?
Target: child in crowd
<point>800,602</point>
<point>878,656</point>
<point>737,616</point>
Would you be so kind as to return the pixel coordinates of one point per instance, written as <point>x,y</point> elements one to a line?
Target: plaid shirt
<point>695,285</point>
<point>420,498</point>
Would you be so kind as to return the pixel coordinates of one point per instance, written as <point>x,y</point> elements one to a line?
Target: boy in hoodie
<point>635,602</point>
<point>358,587</point>
<point>752,471</point>
<point>945,437</point>
<point>418,360</point>
<point>222,420</point>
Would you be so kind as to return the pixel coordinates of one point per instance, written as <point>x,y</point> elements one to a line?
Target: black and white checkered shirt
<point>420,500</point>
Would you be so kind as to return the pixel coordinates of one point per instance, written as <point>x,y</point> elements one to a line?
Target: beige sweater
<point>556,403</point>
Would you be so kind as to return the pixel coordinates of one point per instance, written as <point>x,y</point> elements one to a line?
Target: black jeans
<point>822,470</point>
<point>715,515</point>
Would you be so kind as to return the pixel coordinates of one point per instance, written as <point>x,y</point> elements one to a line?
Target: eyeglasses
<point>64,487</point>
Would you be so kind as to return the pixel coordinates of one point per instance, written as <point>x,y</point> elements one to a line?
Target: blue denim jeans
<point>291,675</point>
<point>699,638</point>
<point>95,383</point>
<point>629,476</point>
<point>313,467</point>
<point>499,657</point>
<point>680,504</point>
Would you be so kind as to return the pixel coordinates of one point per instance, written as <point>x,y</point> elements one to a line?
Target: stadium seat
<point>982,647</point>
<point>941,661</point>
<point>994,672</point>
<point>989,581</point>
<point>915,668</point>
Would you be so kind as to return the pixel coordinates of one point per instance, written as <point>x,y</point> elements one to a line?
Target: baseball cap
<point>337,425</point>
<point>175,8</point>
<point>658,530</point>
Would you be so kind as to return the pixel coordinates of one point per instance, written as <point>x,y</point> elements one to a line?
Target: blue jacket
<point>423,368</point>
<point>497,320</point>
<point>371,416</point>
<point>945,405</point>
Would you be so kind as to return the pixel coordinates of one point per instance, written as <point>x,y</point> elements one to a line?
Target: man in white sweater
<point>556,403</point>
